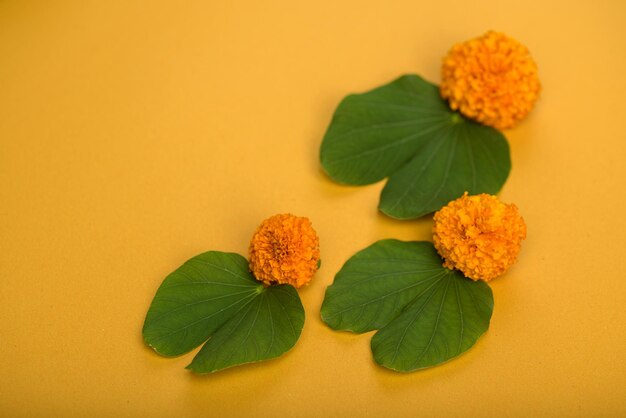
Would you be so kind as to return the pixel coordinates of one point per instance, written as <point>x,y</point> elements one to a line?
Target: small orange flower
<point>284,250</point>
<point>478,235</point>
<point>491,79</point>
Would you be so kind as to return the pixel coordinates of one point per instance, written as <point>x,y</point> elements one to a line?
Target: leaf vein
<point>446,173</point>
<point>293,328</point>
<point>386,146</point>
<point>186,305</point>
<point>417,314</point>
<point>458,298</point>
<point>382,297</point>
<point>218,267</point>
<point>160,337</point>
<point>435,328</point>
<point>418,176</point>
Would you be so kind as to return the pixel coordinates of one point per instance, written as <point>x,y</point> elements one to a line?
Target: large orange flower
<point>491,79</point>
<point>479,235</point>
<point>284,250</point>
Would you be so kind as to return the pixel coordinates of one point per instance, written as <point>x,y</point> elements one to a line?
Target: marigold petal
<point>478,235</point>
<point>284,250</point>
<point>491,79</point>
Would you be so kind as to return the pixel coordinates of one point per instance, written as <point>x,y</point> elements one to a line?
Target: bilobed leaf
<point>375,284</point>
<point>461,157</point>
<point>214,297</point>
<point>425,314</point>
<point>268,326</point>
<point>405,131</point>
<point>440,323</point>
<point>196,299</point>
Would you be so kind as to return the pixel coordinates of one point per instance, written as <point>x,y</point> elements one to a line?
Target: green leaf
<point>214,297</point>
<point>269,326</point>
<point>426,314</point>
<point>375,284</point>
<point>405,131</point>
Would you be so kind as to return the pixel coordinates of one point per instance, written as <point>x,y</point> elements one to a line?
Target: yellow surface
<point>136,135</point>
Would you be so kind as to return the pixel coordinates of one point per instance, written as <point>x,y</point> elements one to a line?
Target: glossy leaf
<point>406,131</point>
<point>425,313</point>
<point>213,296</point>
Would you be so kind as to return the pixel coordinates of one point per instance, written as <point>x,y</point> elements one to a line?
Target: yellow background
<point>135,135</point>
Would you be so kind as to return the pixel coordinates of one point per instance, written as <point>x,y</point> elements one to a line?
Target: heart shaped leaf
<point>214,297</point>
<point>267,327</point>
<point>405,131</point>
<point>426,314</point>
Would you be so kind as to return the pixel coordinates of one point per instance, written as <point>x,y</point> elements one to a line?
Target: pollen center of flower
<point>280,250</point>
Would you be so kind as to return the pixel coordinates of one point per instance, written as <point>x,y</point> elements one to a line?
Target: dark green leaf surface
<point>214,296</point>
<point>406,131</point>
<point>375,284</point>
<point>425,313</point>
<point>269,326</point>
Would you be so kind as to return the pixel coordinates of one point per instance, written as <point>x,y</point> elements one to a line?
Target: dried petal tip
<point>284,250</point>
<point>478,235</point>
<point>491,79</point>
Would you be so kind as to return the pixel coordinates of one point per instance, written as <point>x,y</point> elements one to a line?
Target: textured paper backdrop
<point>137,134</point>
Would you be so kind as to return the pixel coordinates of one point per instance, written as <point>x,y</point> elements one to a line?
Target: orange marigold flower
<point>491,79</point>
<point>284,250</point>
<point>478,235</point>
